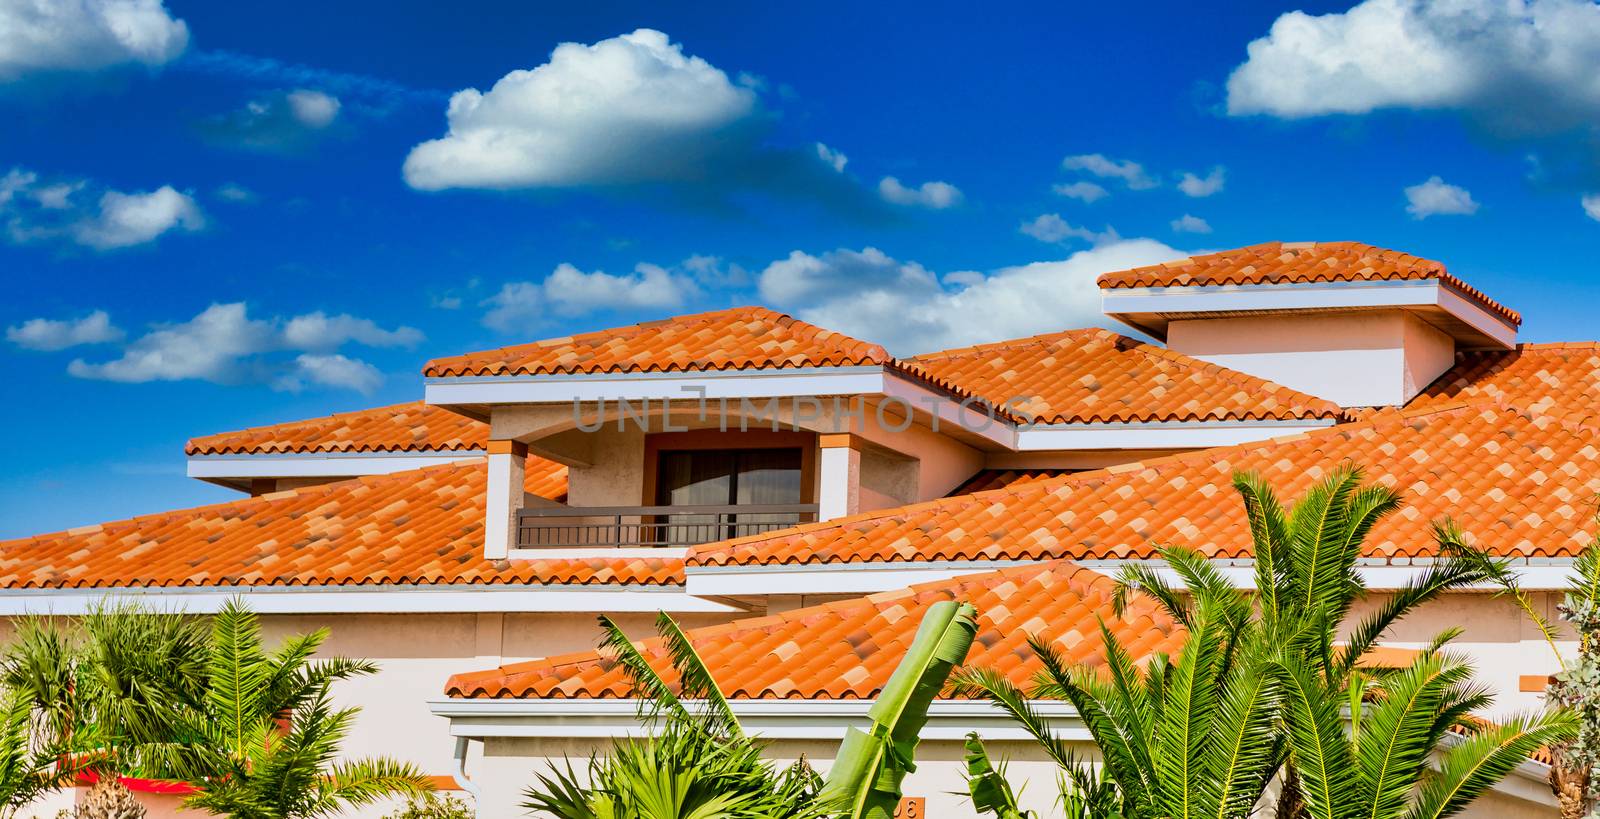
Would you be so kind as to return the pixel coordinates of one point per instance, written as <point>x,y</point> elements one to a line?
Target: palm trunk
<point>108,798</point>
<point>1291,803</point>
<point>1570,784</point>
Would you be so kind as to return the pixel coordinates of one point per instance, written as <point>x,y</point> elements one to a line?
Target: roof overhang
<point>368,599</point>
<point>1159,434</point>
<point>1472,325</point>
<point>237,471</point>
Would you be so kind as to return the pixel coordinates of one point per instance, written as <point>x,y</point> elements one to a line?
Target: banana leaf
<point>864,782</point>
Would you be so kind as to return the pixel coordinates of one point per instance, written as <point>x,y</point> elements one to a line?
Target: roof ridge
<point>1010,343</point>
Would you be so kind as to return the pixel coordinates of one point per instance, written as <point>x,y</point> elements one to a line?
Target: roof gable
<point>848,649</point>
<point>1298,263</point>
<point>1097,376</point>
<point>734,339</point>
<point>419,527</point>
<point>410,427</point>
<point>1519,483</point>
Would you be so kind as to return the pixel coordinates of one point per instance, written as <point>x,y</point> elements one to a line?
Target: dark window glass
<point>719,477</point>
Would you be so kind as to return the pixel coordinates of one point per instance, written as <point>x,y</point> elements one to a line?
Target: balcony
<point>558,527</point>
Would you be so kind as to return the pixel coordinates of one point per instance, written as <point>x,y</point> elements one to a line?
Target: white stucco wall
<point>1355,359</point>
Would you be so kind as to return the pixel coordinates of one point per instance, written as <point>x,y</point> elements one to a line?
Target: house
<point>795,496</point>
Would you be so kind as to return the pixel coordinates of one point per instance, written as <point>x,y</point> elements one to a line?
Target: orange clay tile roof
<point>1520,484</point>
<point>734,339</point>
<point>409,427</point>
<point>987,479</point>
<point>420,527</point>
<point>1560,380</point>
<point>1097,376</point>
<point>1299,263</point>
<point>848,649</point>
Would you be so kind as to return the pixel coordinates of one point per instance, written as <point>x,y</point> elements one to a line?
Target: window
<point>727,478</point>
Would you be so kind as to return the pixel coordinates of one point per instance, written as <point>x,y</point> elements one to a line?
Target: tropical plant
<point>100,689</point>
<point>261,738</point>
<point>1575,774</point>
<point>30,766</point>
<point>699,763</point>
<point>1248,697</point>
<point>434,806</point>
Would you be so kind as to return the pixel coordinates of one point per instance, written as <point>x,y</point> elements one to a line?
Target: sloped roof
<point>739,338</point>
<point>409,427</point>
<point>1299,263</point>
<point>1097,376</point>
<point>1559,380</point>
<point>1519,483</point>
<point>848,649</point>
<point>419,527</point>
<point>987,479</point>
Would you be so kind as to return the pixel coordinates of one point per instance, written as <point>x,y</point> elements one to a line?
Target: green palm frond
<point>1319,525</point>
<point>987,785</point>
<point>993,686</point>
<point>1448,535</point>
<point>1146,579</point>
<point>1478,762</point>
<point>1243,751</point>
<point>1435,579</point>
<point>655,695</point>
<point>1393,737</point>
<point>1269,534</point>
<point>694,678</point>
<point>1124,748</point>
<point>1184,724</point>
<point>1317,744</point>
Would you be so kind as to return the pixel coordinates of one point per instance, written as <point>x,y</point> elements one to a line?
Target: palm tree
<point>100,688</point>
<point>1203,735</point>
<point>261,739</point>
<point>30,765</point>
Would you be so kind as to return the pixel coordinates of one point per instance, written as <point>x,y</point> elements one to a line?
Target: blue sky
<point>213,217</point>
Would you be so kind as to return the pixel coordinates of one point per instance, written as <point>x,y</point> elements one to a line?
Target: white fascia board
<point>829,578</point>
<point>320,465</point>
<point>946,411</point>
<point>347,600</point>
<point>1402,294</point>
<point>767,719</point>
<point>599,552</point>
<point>1552,574</point>
<point>1159,434</point>
<point>674,386</point>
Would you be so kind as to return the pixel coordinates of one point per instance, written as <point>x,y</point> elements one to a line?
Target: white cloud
<point>1435,197</point>
<point>1050,227</point>
<point>280,121</point>
<point>523,306</point>
<point>1513,66</point>
<point>1189,223</point>
<point>127,219</point>
<point>1197,186</point>
<point>1084,191</point>
<point>224,345</point>
<point>39,36</point>
<point>902,305</point>
<point>334,370</point>
<point>1131,173</point>
<point>1591,206</point>
<point>234,192</point>
<point>630,109</point>
<point>934,195</point>
<point>834,159</point>
<point>49,335</point>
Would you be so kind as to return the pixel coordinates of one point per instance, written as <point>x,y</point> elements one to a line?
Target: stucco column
<point>508,464</point>
<point>838,475</point>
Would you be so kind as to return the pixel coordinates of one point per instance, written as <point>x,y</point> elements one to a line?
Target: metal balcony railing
<point>557,527</point>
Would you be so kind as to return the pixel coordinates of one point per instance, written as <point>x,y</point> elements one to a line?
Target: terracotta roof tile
<point>1560,380</point>
<point>409,427</point>
<point>1519,483</point>
<point>987,479</point>
<point>733,339</point>
<point>1097,376</point>
<point>1299,262</point>
<point>848,649</point>
<point>420,527</point>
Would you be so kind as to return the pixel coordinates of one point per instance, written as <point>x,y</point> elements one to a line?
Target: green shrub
<point>433,806</point>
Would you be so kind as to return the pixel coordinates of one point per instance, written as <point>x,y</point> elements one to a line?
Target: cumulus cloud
<point>1189,223</point>
<point>1198,186</point>
<point>1131,173</point>
<point>628,109</point>
<point>1083,191</point>
<point>904,306</point>
<point>1511,67</point>
<point>224,345</point>
<point>629,112</point>
<point>127,219</point>
<point>44,36</point>
<point>280,121</point>
<point>49,335</point>
<point>1437,198</point>
<point>1591,206</point>
<point>34,211</point>
<point>932,195</point>
<point>1050,227</point>
<point>525,306</point>
<point>832,158</point>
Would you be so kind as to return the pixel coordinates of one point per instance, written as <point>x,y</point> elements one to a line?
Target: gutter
<point>459,756</point>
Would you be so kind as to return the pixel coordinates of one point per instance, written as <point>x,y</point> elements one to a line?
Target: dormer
<point>1351,323</point>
